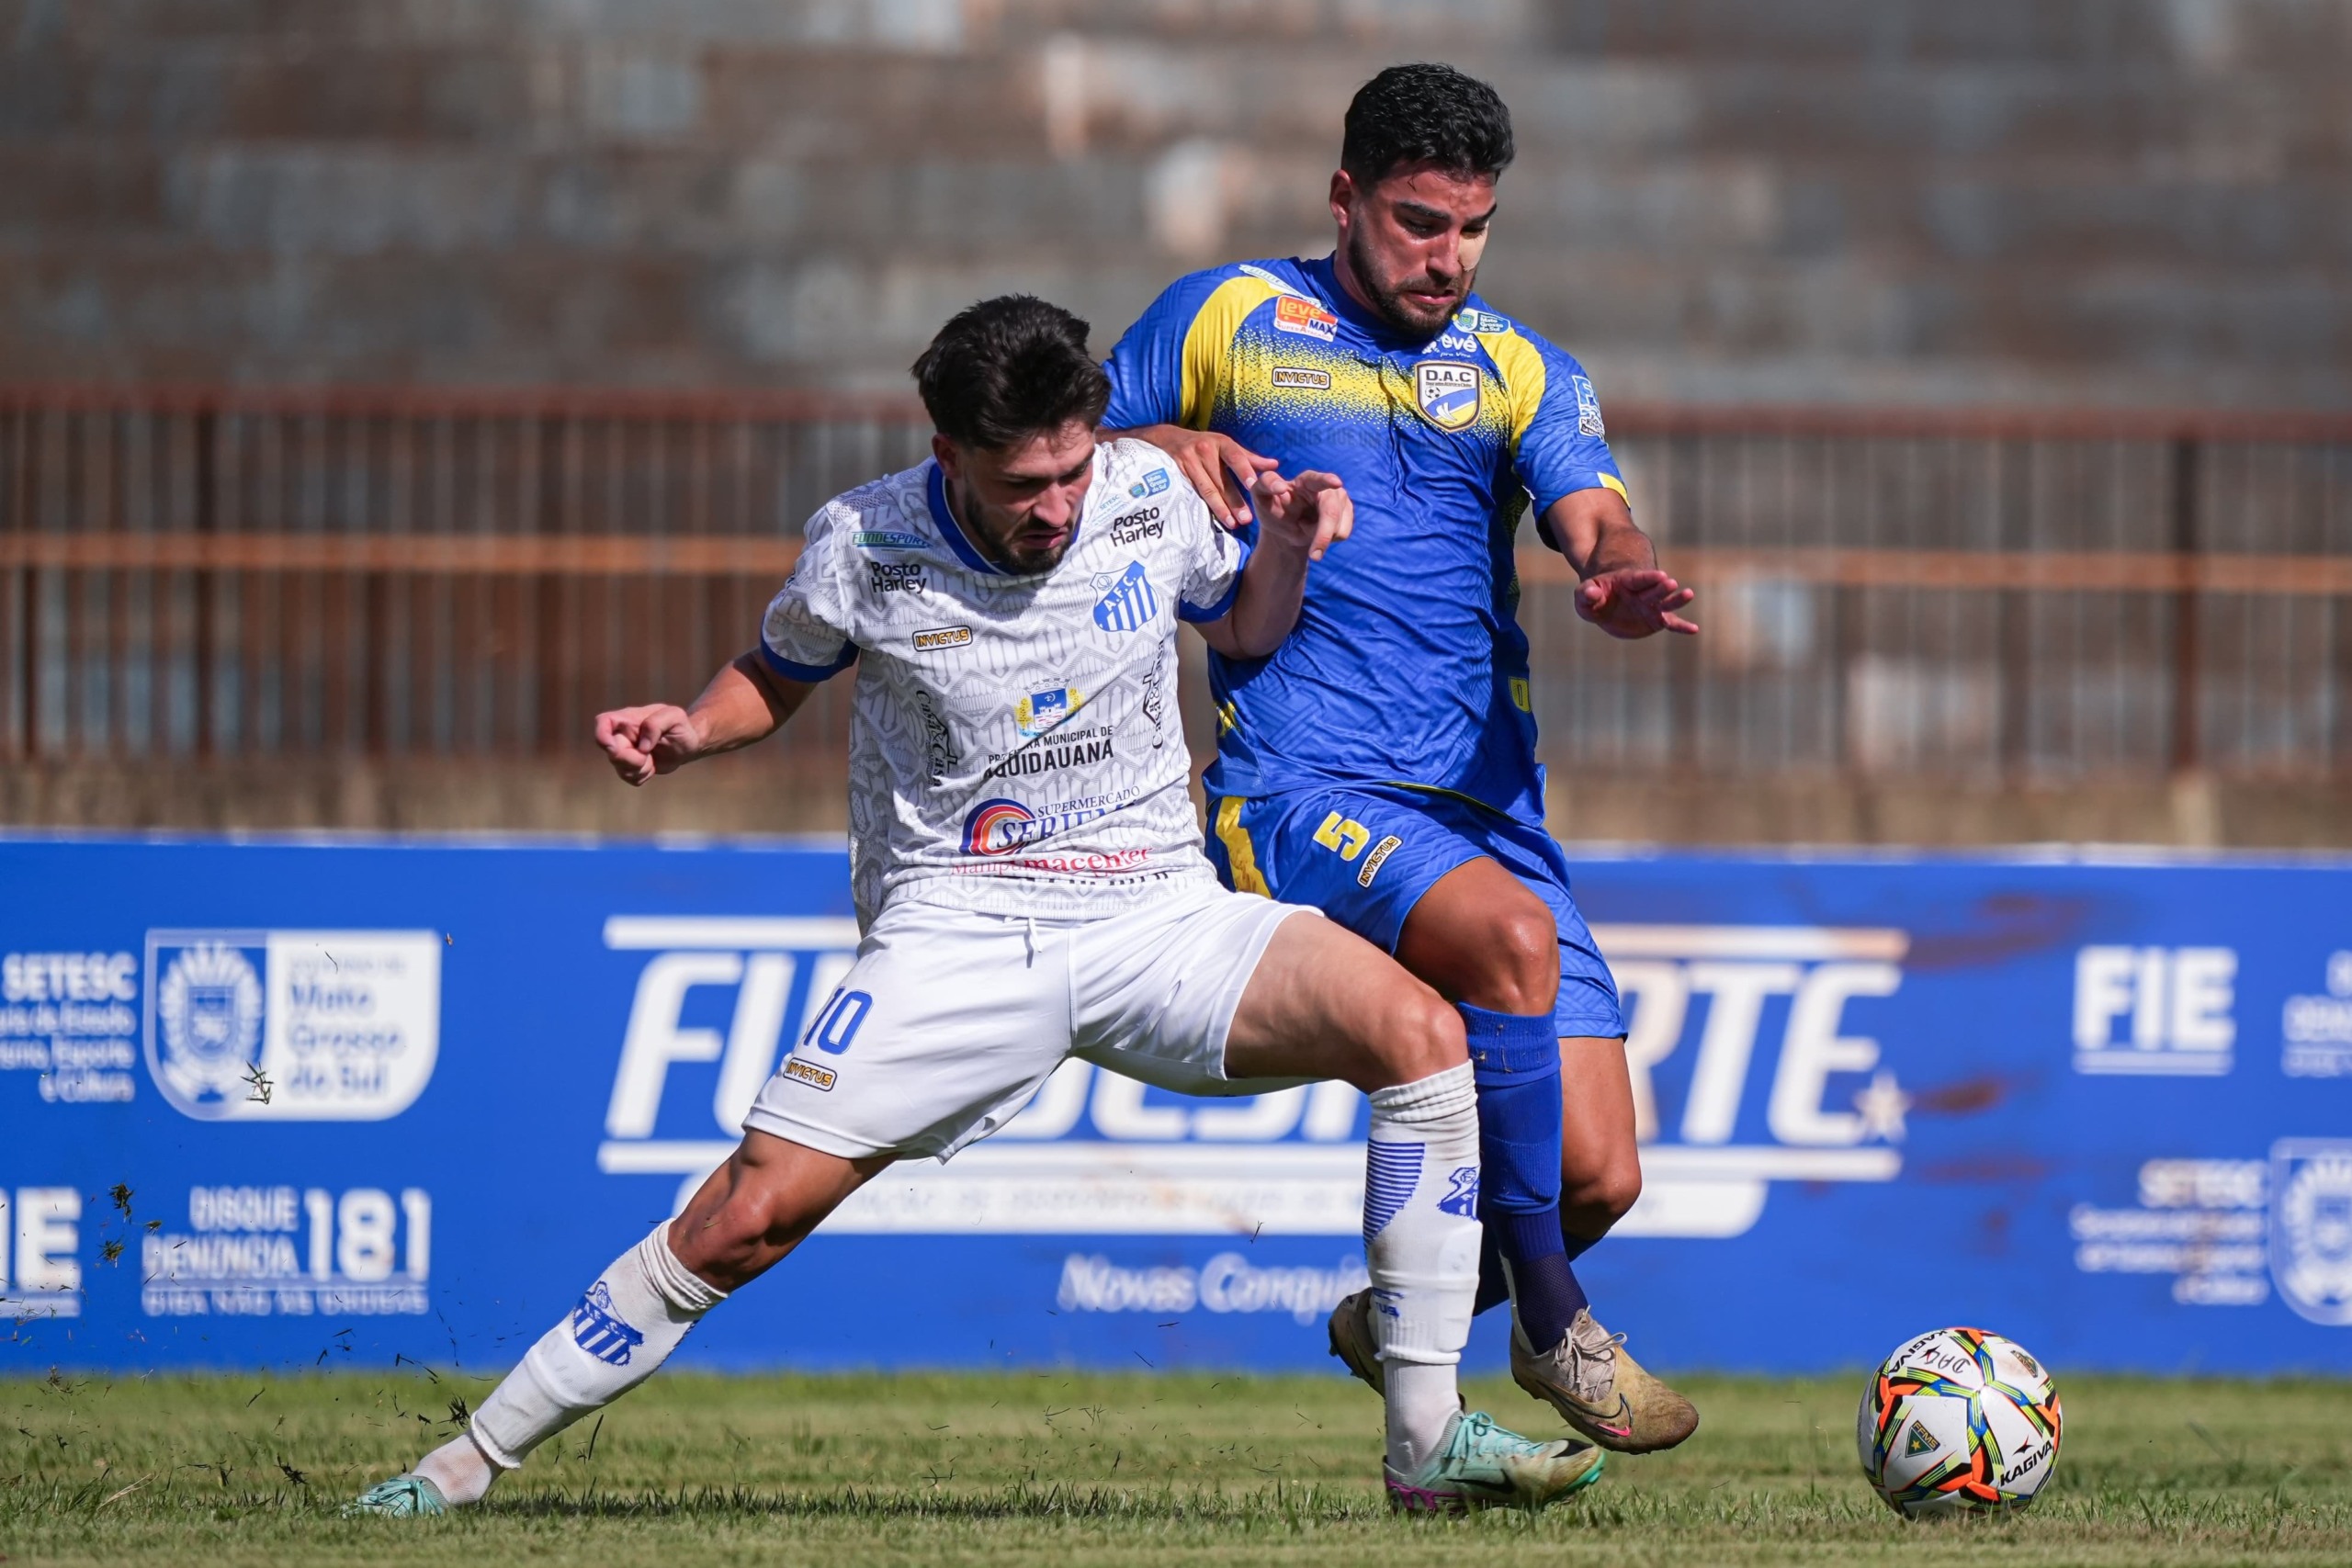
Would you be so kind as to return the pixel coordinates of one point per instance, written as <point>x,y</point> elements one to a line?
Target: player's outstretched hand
<point>1634,604</point>
<point>643,742</point>
<point>1218,467</point>
<point>1314,509</point>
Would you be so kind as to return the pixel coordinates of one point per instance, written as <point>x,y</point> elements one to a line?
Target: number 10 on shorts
<point>837,1026</point>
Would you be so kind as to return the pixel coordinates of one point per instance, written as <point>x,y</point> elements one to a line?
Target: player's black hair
<point>1008,368</point>
<point>1425,114</point>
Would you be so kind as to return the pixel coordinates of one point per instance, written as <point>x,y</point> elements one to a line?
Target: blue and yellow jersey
<point>1408,666</point>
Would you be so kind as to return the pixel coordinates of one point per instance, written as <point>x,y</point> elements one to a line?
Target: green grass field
<point>1069,1469</point>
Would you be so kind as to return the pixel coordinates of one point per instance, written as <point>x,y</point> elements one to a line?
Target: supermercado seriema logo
<point>717,999</point>
<point>292,1025</point>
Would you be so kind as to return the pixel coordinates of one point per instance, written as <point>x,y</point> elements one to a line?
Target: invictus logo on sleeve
<point>809,1073</point>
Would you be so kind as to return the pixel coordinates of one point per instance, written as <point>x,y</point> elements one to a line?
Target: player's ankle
<point>459,1470</point>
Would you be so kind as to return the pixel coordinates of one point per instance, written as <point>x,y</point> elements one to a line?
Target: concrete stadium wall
<point>2115,201</point>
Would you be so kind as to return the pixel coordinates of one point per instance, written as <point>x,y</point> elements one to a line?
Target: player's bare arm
<point>1300,519</point>
<point>1623,591</point>
<point>744,703</point>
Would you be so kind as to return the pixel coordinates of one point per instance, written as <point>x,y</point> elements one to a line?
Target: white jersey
<point>1014,743</point>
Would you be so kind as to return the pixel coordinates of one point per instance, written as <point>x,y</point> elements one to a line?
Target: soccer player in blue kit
<point>1380,764</point>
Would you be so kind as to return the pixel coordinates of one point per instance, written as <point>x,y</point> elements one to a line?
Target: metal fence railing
<point>232,574</point>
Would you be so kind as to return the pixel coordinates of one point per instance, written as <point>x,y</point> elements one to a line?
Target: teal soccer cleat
<point>1481,1465</point>
<point>402,1497</point>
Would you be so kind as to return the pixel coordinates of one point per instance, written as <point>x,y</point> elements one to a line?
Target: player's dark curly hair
<point>1008,368</point>
<point>1425,114</point>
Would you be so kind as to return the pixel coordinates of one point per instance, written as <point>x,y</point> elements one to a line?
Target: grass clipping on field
<point>1073,1469</point>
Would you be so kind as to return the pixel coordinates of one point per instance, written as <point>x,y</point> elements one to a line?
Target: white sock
<point>1420,1222</point>
<point>459,1470</point>
<point>1423,1399</point>
<point>632,1317</point>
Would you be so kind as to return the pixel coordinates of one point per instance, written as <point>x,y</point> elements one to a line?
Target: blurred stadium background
<point>387,385</point>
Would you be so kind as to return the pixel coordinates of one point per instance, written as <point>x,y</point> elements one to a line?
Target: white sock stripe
<point>1391,1172</point>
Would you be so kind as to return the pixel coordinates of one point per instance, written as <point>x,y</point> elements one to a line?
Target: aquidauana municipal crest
<point>2311,1227</point>
<point>207,1036</point>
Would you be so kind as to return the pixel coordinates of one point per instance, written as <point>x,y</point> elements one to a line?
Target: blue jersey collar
<point>936,489</point>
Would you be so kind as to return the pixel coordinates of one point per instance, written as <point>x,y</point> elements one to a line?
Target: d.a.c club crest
<point>1447,392</point>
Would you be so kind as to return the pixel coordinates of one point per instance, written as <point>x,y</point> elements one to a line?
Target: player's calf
<point>751,1212</point>
<point>1600,1165</point>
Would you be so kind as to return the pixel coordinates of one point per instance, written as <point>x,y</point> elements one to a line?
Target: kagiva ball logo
<point>293,1026</point>
<point>2311,1227</point>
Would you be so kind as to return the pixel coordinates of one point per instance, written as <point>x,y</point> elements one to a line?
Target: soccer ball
<point>1958,1420</point>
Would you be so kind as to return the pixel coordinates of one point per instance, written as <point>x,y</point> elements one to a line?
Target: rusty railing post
<point>2187,653</point>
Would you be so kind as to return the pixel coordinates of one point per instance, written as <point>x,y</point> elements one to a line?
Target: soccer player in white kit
<point>1030,883</point>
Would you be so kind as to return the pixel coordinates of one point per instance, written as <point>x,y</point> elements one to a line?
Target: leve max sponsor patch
<point>1305,317</point>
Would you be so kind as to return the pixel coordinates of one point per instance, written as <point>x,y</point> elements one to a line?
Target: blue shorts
<point>1365,853</point>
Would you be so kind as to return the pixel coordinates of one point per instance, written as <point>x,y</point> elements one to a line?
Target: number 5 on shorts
<point>838,1024</point>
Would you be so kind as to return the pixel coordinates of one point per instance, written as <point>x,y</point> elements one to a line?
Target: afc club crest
<point>1447,390</point>
<point>2311,1227</point>
<point>1128,602</point>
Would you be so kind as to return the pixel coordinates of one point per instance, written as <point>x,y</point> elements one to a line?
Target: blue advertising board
<point>265,1104</point>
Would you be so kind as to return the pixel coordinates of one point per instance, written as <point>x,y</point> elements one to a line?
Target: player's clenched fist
<point>1312,510</point>
<point>643,742</point>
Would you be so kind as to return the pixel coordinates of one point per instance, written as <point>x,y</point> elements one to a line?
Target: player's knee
<point>1518,959</point>
<point>1419,1034</point>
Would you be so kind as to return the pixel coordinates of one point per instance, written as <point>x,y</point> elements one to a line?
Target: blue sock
<point>1515,1058</point>
<point>1494,1289</point>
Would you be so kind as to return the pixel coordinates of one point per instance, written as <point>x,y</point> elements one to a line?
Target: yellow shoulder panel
<point>1523,377</point>
<point>1210,338</point>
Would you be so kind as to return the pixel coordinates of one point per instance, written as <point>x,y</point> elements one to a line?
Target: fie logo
<point>2165,1011</point>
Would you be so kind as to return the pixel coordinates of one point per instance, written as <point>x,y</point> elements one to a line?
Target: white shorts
<point>949,1020</point>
